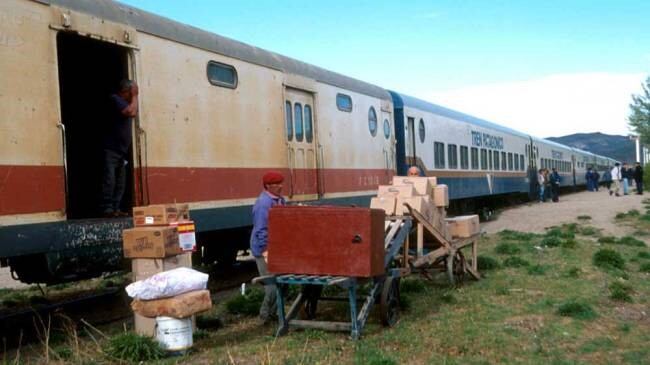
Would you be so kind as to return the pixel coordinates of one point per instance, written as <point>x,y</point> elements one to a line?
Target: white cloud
<point>555,105</point>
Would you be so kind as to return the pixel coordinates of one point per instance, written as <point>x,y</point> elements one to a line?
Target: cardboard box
<point>420,203</point>
<point>385,203</point>
<point>144,268</point>
<point>438,216</point>
<point>441,195</point>
<point>160,214</point>
<point>401,191</point>
<point>150,242</point>
<point>186,235</point>
<point>433,181</point>
<point>180,306</point>
<point>421,185</point>
<point>464,226</point>
<point>326,240</point>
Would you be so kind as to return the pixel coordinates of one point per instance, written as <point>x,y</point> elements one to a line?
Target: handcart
<point>384,290</point>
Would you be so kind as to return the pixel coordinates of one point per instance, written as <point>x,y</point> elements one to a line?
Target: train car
<point>557,156</point>
<point>474,157</point>
<point>215,114</point>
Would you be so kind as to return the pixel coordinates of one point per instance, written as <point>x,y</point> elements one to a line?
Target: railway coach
<point>215,114</point>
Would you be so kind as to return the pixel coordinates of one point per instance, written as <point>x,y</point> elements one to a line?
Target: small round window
<point>386,128</point>
<point>421,130</point>
<point>372,121</point>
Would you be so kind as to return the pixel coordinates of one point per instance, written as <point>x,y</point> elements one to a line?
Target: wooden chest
<point>326,240</point>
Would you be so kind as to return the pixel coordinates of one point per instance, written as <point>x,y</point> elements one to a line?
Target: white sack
<point>168,284</point>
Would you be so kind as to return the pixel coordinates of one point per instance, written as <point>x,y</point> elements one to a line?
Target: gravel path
<point>600,206</point>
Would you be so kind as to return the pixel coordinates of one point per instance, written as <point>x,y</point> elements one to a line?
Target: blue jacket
<point>260,234</point>
<point>555,178</point>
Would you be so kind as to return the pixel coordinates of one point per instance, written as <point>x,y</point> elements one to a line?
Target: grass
<point>645,267</point>
<point>589,231</point>
<point>537,269</point>
<point>507,248</point>
<point>631,241</point>
<point>608,259</point>
<point>487,263</point>
<point>248,304</point>
<point>584,217</point>
<point>133,348</point>
<point>607,239</point>
<point>643,255</point>
<point>620,292</point>
<point>515,261</point>
<point>576,309</point>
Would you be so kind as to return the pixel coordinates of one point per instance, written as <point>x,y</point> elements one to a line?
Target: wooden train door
<point>300,122</point>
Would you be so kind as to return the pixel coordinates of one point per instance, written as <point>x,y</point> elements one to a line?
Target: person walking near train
<point>627,178</point>
<point>117,143</point>
<point>607,177</point>
<point>596,179</point>
<point>268,198</point>
<point>616,179</point>
<point>638,178</point>
<point>555,185</point>
<point>540,184</point>
<point>589,179</point>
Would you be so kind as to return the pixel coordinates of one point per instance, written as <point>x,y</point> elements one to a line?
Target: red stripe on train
<point>31,189</point>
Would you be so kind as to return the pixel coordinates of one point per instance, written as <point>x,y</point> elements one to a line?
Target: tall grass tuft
<point>486,263</point>
<point>248,304</point>
<point>515,261</point>
<point>576,309</point>
<point>132,347</point>
<point>608,259</point>
<point>621,292</point>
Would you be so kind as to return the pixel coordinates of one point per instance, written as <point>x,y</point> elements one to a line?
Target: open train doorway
<point>90,71</point>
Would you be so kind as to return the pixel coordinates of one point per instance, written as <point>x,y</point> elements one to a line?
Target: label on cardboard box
<point>186,235</point>
<point>401,191</point>
<point>160,214</point>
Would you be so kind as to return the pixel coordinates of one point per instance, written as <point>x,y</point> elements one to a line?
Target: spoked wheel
<point>456,268</point>
<point>389,304</point>
<point>312,295</point>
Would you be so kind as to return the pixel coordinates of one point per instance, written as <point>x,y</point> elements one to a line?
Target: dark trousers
<point>113,182</point>
<point>639,186</point>
<point>555,191</point>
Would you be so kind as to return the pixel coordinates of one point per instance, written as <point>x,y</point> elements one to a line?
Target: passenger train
<point>215,114</point>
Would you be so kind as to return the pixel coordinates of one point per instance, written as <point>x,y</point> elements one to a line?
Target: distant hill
<point>617,147</point>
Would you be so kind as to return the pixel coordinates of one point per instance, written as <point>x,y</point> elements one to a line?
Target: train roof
<point>159,26</point>
<point>400,100</point>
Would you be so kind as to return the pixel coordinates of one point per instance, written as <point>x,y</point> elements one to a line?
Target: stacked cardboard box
<point>163,239</point>
<point>423,194</point>
<point>463,226</point>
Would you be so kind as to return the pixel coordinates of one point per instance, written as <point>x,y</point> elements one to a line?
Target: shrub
<point>621,292</point>
<point>507,248</point>
<point>537,270</point>
<point>551,241</point>
<point>645,217</point>
<point>620,215</point>
<point>642,255</point>
<point>573,272</point>
<point>631,241</point>
<point>508,234</point>
<point>588,231</point>
<point>486,263</point>
<point>569,243</point>
<point>554,231</point>
<point>645,267</point>
<point>584,217</point>
<point>608,259</point>
<point>633,213</point>
<point>248,304</point>
<point>132,347</point>
<point>576,309</point>
<point>515,261</point>
<point>607,239</point>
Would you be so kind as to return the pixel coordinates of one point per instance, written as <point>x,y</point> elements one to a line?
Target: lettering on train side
<point>486,140</point>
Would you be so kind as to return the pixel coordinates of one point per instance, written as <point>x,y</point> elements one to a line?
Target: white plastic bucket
<point>174,334</point>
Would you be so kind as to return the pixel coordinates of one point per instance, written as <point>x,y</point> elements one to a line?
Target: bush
<point>537,270</point>
<point>551,241</point>
<point>486,263</point>
<point>621,292</point>
<point>132,347</point>
<point>608,259</point>
<point>569,243</point>
<point>507,248</point>
<point>642,255</point>
<point>607,239</point>
<point>248,304</point>
<point>576,309</point>
<point>645,267</point>
<point>515,261</point>
<point>584,217</point>
<point>588,231</point>
<point>631,241</point>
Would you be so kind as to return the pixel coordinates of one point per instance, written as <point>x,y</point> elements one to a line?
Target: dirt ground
<point>600,206</point>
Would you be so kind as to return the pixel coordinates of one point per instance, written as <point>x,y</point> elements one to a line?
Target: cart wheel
<point>312,295</point>
<point>456,268</point>
<point>389,304</point>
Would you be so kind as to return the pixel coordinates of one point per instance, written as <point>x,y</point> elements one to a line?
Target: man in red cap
<point>271,196</point>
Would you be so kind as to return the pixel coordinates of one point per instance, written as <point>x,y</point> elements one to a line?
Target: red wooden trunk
<point>326,240</point>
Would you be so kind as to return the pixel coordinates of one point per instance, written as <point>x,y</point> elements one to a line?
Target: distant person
<point>607,177</point>
<point>596,180</point>
<point>540,184</point>
<point>116,147</point>
<point>589,178</point>
<point>626,174</point>
<point>547,185</point>
<point>616,179</point>
<point>638,178</point>
<point>414,171</point>
<point>555,185</point>
<point>268,198</point>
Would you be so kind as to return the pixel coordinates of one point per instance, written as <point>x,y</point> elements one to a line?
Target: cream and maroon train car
<point>215,114</point>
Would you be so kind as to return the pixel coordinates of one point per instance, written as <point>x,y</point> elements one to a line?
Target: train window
<point>490,159</point>
<point>452,152</point>
<point>421,130</point>
<point>309,130</point>
<point>503,161</point>
<point>484,161</point>
<point>439,155</point>
<point>297,121</point>
<point>372,121</point>
<point>344,102</point>
<point>510,161</point>
<point>474,158</point>
<point>522,167</point>
<point>288,115</point>
<point>220,74</point>
<point>516,161</point>
<point>464,158</point>
<point>386,128</point>
<point>496,160</point>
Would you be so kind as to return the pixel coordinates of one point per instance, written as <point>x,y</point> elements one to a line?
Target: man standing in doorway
<point>116,147</point>
<point>270,197</point>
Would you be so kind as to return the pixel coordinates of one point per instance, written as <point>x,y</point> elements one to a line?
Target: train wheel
<point>389,304</point>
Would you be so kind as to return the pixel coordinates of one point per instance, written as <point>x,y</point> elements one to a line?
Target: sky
<point>549,68</point>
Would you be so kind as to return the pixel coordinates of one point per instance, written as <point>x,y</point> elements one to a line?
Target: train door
<point>300,124</point>
<point>89,72</point>
<point>389,145</point>
<point>531,154</point>
<point>410,142</point>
